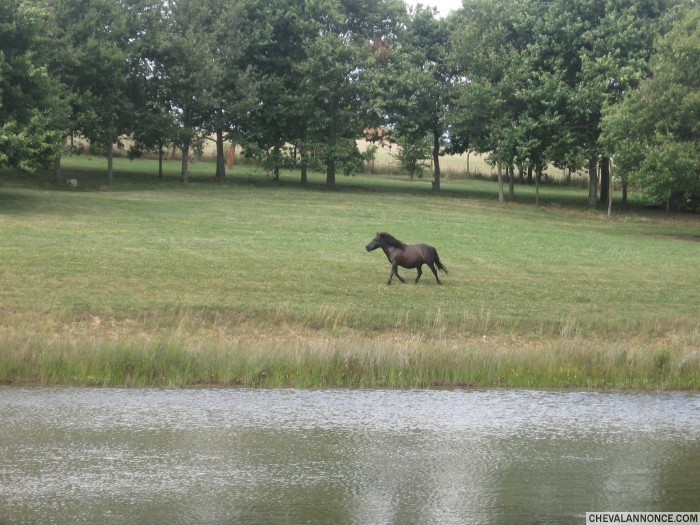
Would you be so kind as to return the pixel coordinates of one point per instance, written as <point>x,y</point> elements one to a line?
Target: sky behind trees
<point>444,7</point>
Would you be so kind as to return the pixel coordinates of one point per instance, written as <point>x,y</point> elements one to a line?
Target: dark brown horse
<point>406,256</point>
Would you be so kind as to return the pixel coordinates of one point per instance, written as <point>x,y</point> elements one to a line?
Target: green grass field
<point>258,283</point>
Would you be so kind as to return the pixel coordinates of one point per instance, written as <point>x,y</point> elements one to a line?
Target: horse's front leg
<point>394,271</point>
<point>420,272</point>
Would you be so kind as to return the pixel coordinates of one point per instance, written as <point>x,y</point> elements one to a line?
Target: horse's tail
<point>438,263</point>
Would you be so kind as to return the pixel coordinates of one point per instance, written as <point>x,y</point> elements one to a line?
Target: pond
<point>230,456</point>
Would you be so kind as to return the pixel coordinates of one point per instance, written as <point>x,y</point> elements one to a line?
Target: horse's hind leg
<point>420,272</point>
<point>432,267</point>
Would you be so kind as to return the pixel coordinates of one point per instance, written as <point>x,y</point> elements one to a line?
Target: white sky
<point>444,6</point>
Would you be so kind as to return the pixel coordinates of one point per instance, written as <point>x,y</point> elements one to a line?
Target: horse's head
<point>375,243</point>
<point>383,240</point>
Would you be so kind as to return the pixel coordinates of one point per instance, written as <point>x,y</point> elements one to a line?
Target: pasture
<point>257,283</point>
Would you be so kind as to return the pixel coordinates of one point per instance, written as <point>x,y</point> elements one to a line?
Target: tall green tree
<point>32,102</point>
<point>236,88</point>
<point>488,114</point>
<point>337,85</point>
<point>199,63</point>
<point>276,128</point>
<point>155,126</point>
<point>421,84</point>
<point>539,73</point>
<point>655,132</point>
<point>597,49</point>
<point>99,65</point>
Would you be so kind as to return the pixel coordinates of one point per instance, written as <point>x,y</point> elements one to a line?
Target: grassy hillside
<point>152,282</point>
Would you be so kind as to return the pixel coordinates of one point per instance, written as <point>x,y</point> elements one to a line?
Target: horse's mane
<point>392,241</point>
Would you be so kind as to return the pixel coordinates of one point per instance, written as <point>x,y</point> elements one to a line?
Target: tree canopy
<point>32,105</point>
<point>655,131</point>
<point>530,83</point>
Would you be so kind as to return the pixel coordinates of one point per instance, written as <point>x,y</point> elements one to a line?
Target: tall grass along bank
<point>259,283</point>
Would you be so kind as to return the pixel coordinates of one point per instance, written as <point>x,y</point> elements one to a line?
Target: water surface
<point>237,456</point>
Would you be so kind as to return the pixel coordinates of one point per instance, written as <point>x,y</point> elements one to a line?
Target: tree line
<point>530,83</point>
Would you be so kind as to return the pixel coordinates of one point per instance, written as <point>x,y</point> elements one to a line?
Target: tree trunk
<point>624,190</point>
<point>303,166</point>
<point>185,160</point>
<point>276,168</point>
<point>332,140</point>
<point>184,175</point>
<point>511,182</point>
<point>604,179</point>
<point>220,159</point>
<point>436,162</point>
<point>110,158</point>
<point>231,156</point>
<point>529,173</point>
<point>468,153</point>
<point>57,173</point>
<point>330,174</point>
<point>521,174</point>
<point>538,175</point>
<point>160,160</point>
<point>500,181</point>
<point>609,190</point>
<point>593,182</point>
<point>330,163</point>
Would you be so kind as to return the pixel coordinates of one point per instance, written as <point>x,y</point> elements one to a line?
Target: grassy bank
<point>152,282</point>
